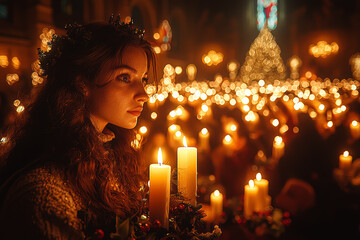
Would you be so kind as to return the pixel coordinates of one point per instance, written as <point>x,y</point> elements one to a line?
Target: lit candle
<point>263,191</point>
<point>216,199</point>
<point>250,198</point>
<point>345,161</point>
<point>355,129</point>
<point>187,172</point>
<point>278,148</point>
<point>159,198</point>
<point>204,139</point>
<point>172,130</point>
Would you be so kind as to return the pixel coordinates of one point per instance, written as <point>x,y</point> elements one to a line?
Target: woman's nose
<point>141,96</point>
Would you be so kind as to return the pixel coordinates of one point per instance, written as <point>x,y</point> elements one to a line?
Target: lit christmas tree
<point>263,60</point>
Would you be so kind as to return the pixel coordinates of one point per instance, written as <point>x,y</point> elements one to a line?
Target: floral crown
<point>78,36</point>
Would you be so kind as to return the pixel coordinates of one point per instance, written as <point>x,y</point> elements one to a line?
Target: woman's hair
<point>57,128</point>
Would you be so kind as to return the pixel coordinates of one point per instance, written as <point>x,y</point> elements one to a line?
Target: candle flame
<point>160,159</point>
<point>216,193</point>
<point>346,154</point>
<point>258,176</point>
<point>251,183</point>
<point>354,123</point>
<point>278,140</point>
<point>204,131</point>
<point>227,138</point>
<point>184,141</point>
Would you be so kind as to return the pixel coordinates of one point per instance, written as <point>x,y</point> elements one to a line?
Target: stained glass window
<point>267,10</point>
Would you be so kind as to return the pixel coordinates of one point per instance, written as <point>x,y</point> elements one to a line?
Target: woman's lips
<point>135,113</point>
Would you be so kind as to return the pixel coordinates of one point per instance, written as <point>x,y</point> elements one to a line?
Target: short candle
<point>345,161</point>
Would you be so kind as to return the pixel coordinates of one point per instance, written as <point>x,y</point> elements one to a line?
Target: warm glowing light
<point>321,107</point>
<point>160,157</point>
<point>204,131</point>
<point>232,66</point>
<point>3,140</point>
<point>191,71</point>
<point>20,109</point>
<point>179,111</point>
<point>212,58</point>
<point>296,129</point>
<point>216,193</point>
<point>178,134</point>
<point>205,108</point>
<point>354,123</point>
<point>323,49</point>
<point>4,61</point>
<point>153,115</point>
<point>178,70</point>
<point>156,36</point>
<point>346,154</point>
<point>258,176</point>
<point>143,129</point>
<point>184,141</point>
<point>275,122</point>
<point>233,127</point>
<point>172,113</point>
<point>157,49</point>
<point>251,183</point>
<point>15,62</point>
<point>227,138</point>
<point>284,128</point>
<point>173,127</point>
<point>330,124</point>
<point>16,102</point>
<point>278,140</point>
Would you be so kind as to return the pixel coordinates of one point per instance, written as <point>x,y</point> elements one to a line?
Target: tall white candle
<point>263,192</point>
<point>187,172</point>
<point>159,198</point>
<point>250,198</point>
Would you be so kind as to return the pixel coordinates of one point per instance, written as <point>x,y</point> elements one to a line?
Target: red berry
<point>286,214</point>
<point>99,234</point>
<point>145,227</point>
<point>181,206</point>
<point>157,224</point>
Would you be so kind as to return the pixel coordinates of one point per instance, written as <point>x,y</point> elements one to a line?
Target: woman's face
<point>118,95</point>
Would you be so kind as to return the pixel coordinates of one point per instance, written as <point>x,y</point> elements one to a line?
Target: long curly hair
<point>57,128</point>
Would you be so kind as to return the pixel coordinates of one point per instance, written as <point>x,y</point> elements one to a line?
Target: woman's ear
<point>81,86</point>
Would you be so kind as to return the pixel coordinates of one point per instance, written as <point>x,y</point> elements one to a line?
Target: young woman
<point>70,168</point>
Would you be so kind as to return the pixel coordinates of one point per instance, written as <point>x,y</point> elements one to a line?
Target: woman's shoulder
<point>44,200</point>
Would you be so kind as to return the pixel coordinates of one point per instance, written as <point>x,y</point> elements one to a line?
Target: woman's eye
<point>145,81</point>
<point>123,77</point>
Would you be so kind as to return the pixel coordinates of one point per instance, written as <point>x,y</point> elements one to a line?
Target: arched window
<point>267,10</point>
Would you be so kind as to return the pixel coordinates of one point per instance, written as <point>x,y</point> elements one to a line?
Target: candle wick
<point>160,163</point>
